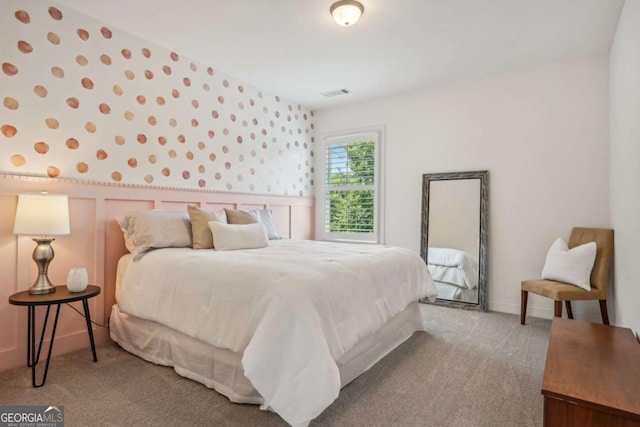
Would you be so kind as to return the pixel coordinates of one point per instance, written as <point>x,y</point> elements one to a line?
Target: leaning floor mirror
<point>454,236</point>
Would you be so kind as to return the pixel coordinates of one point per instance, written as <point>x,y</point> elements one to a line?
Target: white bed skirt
<point>457,293</point>
<point>221,369</point>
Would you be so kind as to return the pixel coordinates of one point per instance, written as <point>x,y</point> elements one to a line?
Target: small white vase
<point>77,279</point>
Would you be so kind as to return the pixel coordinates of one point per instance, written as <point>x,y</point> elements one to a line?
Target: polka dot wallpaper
<point>82,100</point>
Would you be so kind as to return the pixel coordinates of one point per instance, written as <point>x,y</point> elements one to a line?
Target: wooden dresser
<point>591,376</point>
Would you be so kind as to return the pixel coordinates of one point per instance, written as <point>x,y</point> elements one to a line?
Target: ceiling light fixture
<point>346,12</point>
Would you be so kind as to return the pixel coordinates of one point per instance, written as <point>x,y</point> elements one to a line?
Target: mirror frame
<point>483,176</point>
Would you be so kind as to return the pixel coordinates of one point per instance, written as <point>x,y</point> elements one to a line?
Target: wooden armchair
<point>559,291</point>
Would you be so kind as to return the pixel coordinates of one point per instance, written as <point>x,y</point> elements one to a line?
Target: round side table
<point>60,296</point>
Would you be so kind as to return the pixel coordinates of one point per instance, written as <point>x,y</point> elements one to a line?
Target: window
<point>349,196</point>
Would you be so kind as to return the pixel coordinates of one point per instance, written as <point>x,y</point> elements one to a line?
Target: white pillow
<point>146,230</point>
<point>571,266</point>
<point>229,237</point>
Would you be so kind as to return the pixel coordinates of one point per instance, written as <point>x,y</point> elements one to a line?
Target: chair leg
<point>523,306</point>
<point>557,308</point>
<point>567,304</point>
<point>603,311</point>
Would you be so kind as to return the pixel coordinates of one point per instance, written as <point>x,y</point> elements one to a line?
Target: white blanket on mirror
<point>453,267</point>
<point>457,293</point>
<point>293,308</point>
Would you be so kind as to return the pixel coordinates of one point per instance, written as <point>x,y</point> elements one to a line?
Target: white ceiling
<point>294,49</point>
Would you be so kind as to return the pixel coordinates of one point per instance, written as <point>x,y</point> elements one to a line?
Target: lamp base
<point>42,255</point>
<point>41,290</point>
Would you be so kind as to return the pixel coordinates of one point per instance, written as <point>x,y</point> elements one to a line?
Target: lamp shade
<point>42,214</point>
<point>346,12</point>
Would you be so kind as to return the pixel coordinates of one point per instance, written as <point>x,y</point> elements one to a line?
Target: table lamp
<point>42,215</point>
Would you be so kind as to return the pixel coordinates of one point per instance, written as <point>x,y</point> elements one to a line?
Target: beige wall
<point>624,166</point>
<point>541,133</point>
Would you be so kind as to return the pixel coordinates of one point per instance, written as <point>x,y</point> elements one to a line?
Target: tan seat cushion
<point>560,291</point>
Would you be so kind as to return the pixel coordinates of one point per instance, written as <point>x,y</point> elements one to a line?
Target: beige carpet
<point>469,369</point>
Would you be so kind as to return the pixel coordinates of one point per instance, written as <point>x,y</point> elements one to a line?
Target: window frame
<point>375,134</point>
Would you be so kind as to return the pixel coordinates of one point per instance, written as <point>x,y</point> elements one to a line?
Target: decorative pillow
<point>241,217</point>
<point>266,218</point>
<point>571,266</point>
<point>229,237</point>
<point>146,230</point>
<point>200,218</point>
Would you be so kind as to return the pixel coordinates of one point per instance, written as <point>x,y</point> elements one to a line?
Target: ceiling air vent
<point>336,92</point>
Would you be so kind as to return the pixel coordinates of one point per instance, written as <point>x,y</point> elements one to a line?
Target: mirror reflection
<point>454,236</point>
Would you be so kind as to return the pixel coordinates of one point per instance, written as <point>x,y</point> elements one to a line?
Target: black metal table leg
<point>30,334</point>
<point>87,317</point>
<point>31,339</point>
<point>35,358</point>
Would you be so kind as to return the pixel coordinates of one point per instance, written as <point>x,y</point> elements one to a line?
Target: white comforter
<point>293,308</point>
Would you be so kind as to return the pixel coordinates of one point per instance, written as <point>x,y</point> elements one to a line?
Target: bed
<point>455,274</point>
<point>284,326</point>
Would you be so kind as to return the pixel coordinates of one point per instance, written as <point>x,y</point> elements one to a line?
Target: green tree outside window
<point>350,183</point>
